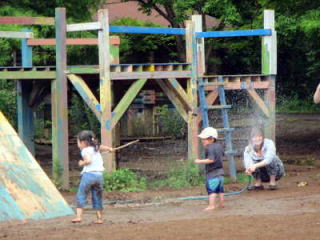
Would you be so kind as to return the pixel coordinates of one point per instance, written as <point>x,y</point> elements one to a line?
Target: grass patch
<point>295,105</point>
<point>123,180</point>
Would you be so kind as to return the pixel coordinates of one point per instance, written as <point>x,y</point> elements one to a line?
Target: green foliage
<point>171,123</point>
<point>186,176</point>
<point>81,116</point>
<point>123,180</point>
<point>8,100</point>
<point>139,48</point>
<point>295,104</point>
<point>241,178</point>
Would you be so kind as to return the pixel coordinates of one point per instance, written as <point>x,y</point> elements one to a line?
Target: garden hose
<point>179,199</point>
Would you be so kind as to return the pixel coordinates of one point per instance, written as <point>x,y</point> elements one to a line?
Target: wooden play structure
<point>26,192</point>
<point>181,82</point>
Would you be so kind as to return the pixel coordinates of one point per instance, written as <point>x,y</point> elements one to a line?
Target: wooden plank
<point>269,45</point>
<point>180,92</point>
<point>211,97</point>
<point>27,75</point>
<point>147,30</point>
<point>149,75</point>
<point>197,20</point>
<point>86,94</point>
<point>242,85</point>
<point>26,191</point>
<point>270,101</point>
<point>174,99</point>
<point>269,66</point>
<point>235,33</point>
<point>60,148</point>
<point>126,100</point>
<point>259,102</point>
<point>27,20</point>
<point>83,26</point>
<point>192,91</point>
<point>24,111</point>
<point>70,41</point>
<point>8,34</point>
<point>105,87</point>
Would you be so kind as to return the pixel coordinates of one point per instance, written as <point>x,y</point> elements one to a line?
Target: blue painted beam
<point>24,111</point>
<point>236,33</point>
<point>147,30</point>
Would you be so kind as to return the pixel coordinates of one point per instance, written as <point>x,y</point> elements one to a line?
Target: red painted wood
<point>27,20</point>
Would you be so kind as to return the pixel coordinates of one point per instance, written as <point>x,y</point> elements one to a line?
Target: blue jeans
<point>90,182</point>
<point>215,185</point>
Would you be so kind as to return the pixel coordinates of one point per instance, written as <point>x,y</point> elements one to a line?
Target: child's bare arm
<point>316,97</point>
<point>86,160</point>
<point>104,148</point>
<point>203,161</point>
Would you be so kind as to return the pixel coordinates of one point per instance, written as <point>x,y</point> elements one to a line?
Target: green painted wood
<point>126,100</point>
<point>105,88</point>
<point>86,94</point>
<point>60,141</point>
<point>12,75</point>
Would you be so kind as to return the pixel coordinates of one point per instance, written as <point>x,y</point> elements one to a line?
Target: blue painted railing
<point>236,33</point>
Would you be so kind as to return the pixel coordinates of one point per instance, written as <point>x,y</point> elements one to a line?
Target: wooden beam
<point>24,111</point>
<point>173,98</point>
<point>211,97</point>
<point>126,100</point>
<point>269,66</point>
<point>115,40</point>
<point>27,20</point>
<point>8,34</point>
<point>180,92</point>
<point>270,100</point>
<point>192,91</point>
<point>27,75</point>
<point>269,45</point>
<point>241,85</point>
<point>259,102</point>
<point>86,94</point>
<point>83,26</point>
<point>105,88</point>
<point>60,141</point>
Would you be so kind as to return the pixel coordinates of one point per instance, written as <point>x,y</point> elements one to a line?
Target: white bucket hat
<point>208,132</point>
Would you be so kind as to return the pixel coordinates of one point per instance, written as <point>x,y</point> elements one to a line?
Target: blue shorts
<point>215,185</point>
<point>90,182</point>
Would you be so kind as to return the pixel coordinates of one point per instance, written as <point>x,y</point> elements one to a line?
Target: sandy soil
<point>292,212</point>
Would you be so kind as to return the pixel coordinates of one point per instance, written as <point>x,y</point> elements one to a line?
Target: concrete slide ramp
<point>26,192</point>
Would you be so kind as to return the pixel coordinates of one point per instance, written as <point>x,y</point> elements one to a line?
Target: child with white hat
<point>214,166</point>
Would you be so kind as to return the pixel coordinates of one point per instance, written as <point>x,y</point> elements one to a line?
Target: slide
<point>26,192</point>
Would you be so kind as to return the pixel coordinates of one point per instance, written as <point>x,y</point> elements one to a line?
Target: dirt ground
<point>292,212</point>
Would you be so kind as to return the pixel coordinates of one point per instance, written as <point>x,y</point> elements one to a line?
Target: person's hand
<point>252,168</point>
<point>248,172</point>
<point>81,163</point>
<point>197,161</point>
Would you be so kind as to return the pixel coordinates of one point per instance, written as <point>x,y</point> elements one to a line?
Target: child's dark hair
<point>90,138</point>
<point>212,138</point>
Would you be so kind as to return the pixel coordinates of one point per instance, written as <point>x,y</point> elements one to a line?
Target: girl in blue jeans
<point>91,175</point>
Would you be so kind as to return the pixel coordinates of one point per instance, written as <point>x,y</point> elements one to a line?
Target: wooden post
<point>60,149</point>
<point>24,111</point>
<point>193,127</point>
<point>105,88</point>
<point>269,66</point>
